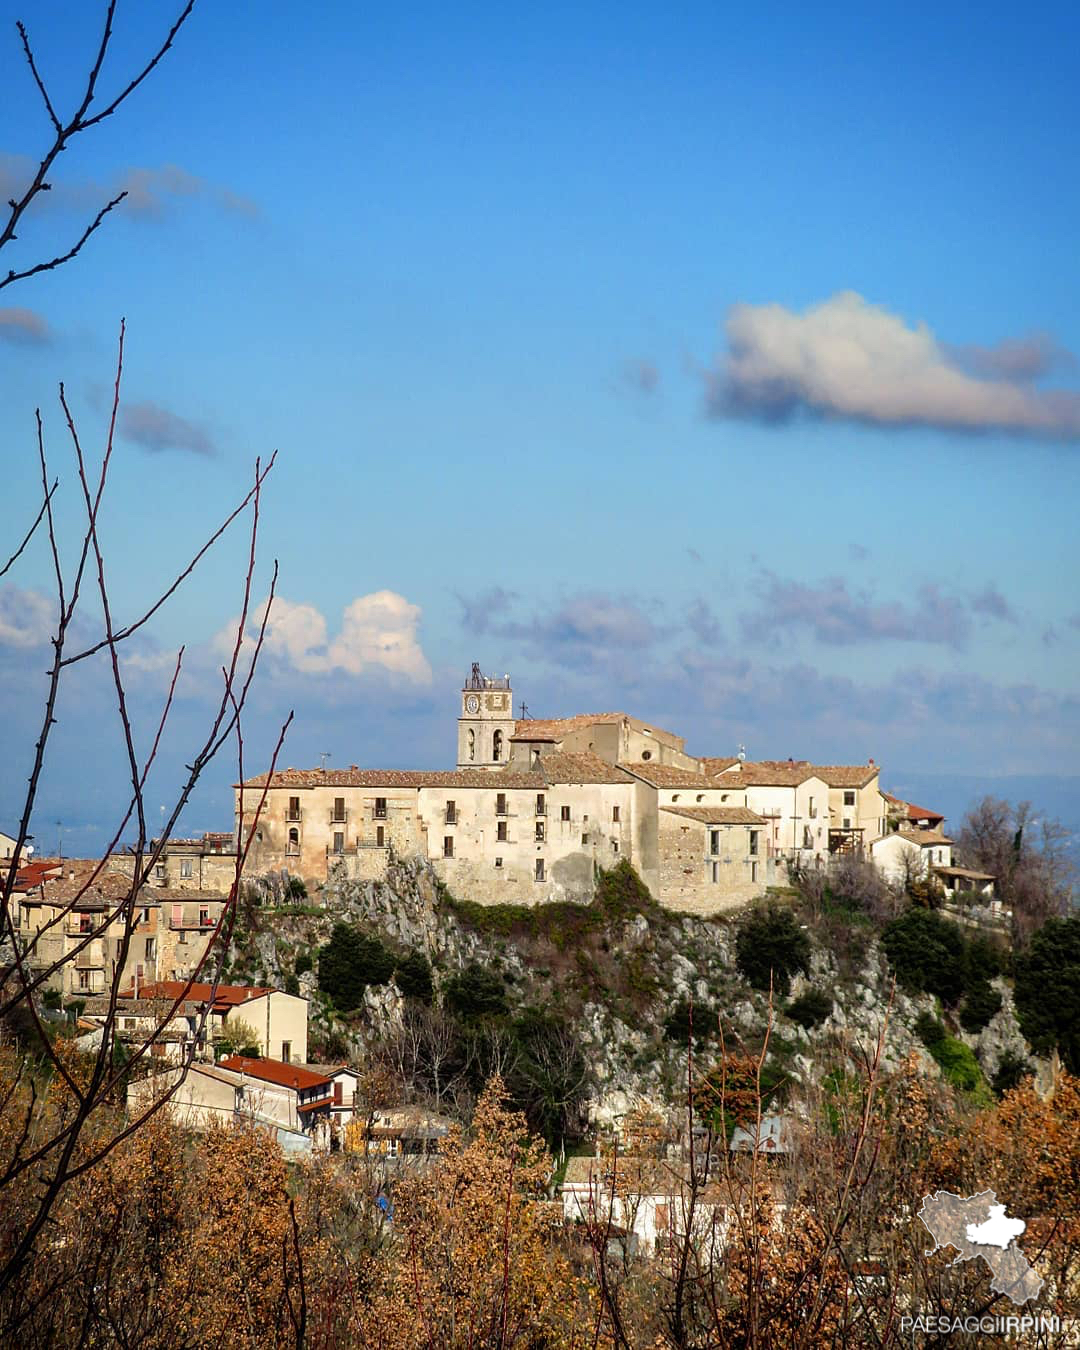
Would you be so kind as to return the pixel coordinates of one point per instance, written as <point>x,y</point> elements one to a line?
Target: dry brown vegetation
<point>180,1240</point>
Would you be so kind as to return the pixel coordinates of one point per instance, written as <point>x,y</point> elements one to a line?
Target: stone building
<point>71,920</point>
<point>531,811</point>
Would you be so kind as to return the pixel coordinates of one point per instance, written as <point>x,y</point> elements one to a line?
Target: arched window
<point>294,840</point>
<point>496,746</point>
<point>472,744</point>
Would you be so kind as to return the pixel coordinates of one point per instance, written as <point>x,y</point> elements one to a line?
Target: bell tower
<point>486,722</point>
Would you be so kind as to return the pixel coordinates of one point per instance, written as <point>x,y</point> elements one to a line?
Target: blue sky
<point>713,365</point>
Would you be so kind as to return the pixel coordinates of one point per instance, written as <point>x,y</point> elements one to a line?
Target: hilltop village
<point>533,807</point>
<point>531,812</point>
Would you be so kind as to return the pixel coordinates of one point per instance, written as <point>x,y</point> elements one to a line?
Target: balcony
<point>200,924</point>
<point>451,816</point>
<point>294,815</point>
<point>339,817</point>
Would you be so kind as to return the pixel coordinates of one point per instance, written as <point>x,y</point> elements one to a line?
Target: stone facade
<point>535,806</point>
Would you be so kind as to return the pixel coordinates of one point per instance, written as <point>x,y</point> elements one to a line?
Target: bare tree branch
<point>64,132</point>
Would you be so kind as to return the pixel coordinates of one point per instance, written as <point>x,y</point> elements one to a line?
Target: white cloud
<point>27,618</point>
<point>846,358</point>
<point>378,631</point>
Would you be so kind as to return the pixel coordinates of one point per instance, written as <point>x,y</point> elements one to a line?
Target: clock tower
<point>486,722</point>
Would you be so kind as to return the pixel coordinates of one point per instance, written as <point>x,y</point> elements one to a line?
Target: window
<point>715,871</point>
<point>293,812</point>
<point>564,813</point>
<point>813,810</point>
<point>534,761</point>
<point>472,744</point>
<point>294,842</point>
<point>151,949</point>
<point>539,869</point>
<point>540,808</point>
<point>286,1051</point>
<point>339,808</point>
<point>753,871</point>
<point>185,869</point>
<point>86,923</point>
<point>849,799</point>
<point>448,846</point>
<point>146,914</point>
<point>540,831</point>
<point>496,746</point>
<point>500,804</point>
<point>584,838</point>
<point>615,815</point>
<point>753,843</point>
<point>847,822</point>
<point>339,841</point>
<point>614,846</point>
<point>129,1023</point>
<point>380,808</point>
<point>498,862</point>
<point>714,841</point>
<point>204,917</point>
<point>646,754</point>
<point>500,832</point>
<point>451,813</point>
<point>159,871</point>
<point>380,836</point>
<point>84,979</point>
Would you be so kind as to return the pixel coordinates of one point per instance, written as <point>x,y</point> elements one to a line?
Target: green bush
<point>475,992</point>
<point>810,1009</point>
<point>413,977</point>
<point>297,889</point>
<point>958,1063</point>
<point>349,962</point>
<point>1012,1070</point>
<point>929,1029</point>
<point>292,985</point>
<point>303,963</point>
<point>771,946</point>
<point>677,1022</point>
<point>1048,990</point>
<point>927,954</point>
<point>980,1003</point>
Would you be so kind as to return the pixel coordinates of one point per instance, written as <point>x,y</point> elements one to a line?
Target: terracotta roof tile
<point>847,775</point>
<point>768,773</point>
<point>716,815</point>
<point>668,775</point>
<point>912,811</point>
<point>713,765</point>
<point>227,996</point>
<point>275,1071</point>
<point>562,767</point>
<point>398,778</point>
<point>555,728</point>
<point>924,838</point>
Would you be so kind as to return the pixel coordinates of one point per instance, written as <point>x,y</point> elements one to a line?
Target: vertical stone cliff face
<point>615,980</point>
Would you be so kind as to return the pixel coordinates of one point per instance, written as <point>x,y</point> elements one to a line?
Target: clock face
<point>472,703</point>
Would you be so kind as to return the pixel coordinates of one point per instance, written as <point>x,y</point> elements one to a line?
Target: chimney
<point>871,761</point>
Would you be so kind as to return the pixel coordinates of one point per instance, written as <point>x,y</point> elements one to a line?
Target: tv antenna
<point>324,755</point>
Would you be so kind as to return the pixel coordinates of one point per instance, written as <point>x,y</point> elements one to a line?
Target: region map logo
<point>978,1227</point>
